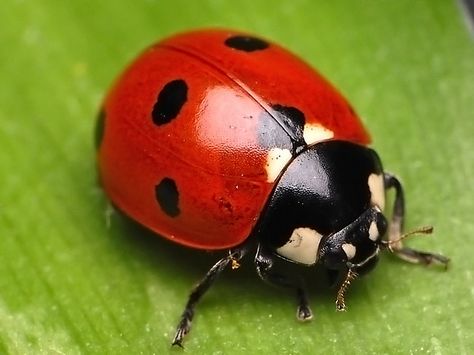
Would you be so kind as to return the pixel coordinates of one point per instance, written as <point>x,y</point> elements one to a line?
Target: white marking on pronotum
<point>373,231</point>
<point>314,133</point>
<point>302,247</point>
<point>377,190</point>
<point>349,249</point>
<point>277,158</point>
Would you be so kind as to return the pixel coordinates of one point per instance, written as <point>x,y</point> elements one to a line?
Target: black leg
<point>264,264</point>
<point>396,226</point>
<point>184,325</point>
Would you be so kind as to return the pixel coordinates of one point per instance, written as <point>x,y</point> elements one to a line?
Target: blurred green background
<point>75,277</point>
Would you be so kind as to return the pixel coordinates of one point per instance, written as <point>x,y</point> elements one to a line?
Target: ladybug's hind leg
<point>396,227</point>
<point>264,263</point>
<point>184,325</point>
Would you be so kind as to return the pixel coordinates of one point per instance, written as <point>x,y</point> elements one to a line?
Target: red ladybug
<point>217,139</point>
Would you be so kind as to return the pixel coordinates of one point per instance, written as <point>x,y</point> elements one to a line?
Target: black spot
<point>99,129</point>
<point>270,133</point>
<point>246,43</point>
<point>293,121</point>
<point>167,195</point>
<point>170,101</point>
<point>282,128</point>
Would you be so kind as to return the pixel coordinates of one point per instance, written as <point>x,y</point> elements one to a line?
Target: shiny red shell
<point>212,150</point>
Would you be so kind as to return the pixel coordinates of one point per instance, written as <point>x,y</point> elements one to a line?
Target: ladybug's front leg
<point>184,325</point>
<point>396,227</point>
<point>264,264</point>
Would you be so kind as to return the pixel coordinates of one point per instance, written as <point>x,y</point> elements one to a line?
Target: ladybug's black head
<point>356,246</point>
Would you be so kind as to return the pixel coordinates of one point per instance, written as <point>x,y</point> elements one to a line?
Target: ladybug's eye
<point>335,258</point>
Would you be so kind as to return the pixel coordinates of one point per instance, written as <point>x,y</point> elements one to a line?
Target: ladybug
<point>219,140</point>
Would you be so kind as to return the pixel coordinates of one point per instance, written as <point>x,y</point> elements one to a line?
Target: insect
<point>220,140</point>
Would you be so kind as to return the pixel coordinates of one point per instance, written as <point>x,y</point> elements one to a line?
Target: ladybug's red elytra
<point>216,139</point>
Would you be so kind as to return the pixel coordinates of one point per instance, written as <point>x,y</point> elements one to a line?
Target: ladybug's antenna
<point>340,302</point>
<point>421,230</point>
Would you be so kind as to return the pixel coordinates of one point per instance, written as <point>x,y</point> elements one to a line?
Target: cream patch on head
<point>349,249</point>
<point>302,247</point>
<point>314,133</point>
<point>277,159</point>
<point>373,231</point>
<point>377,190</point>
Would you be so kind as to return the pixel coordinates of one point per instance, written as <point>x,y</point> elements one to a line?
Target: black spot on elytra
<point>246,43</point>
<point>270,134</point>
<point>282,128</point>
<point>293,120</point>
<point>167,196</point>
<point>170,101</point>
<point>99,129</point>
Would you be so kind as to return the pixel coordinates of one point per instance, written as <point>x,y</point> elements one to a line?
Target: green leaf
<point>75,277</point>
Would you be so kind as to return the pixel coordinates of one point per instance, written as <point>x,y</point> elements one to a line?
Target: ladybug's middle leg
<point>184,325</point>
<point>264,263</point>
<point>396,227</point>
